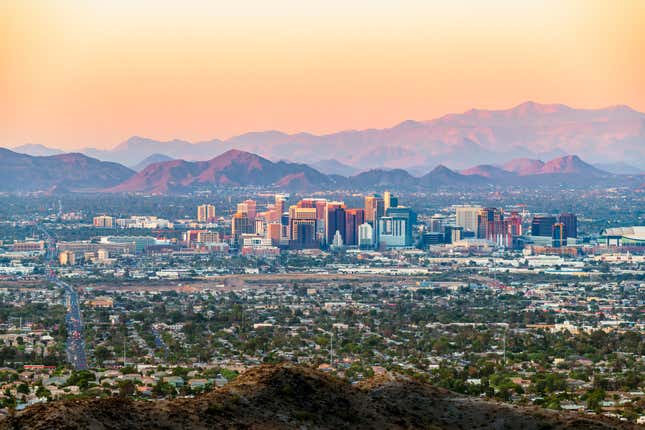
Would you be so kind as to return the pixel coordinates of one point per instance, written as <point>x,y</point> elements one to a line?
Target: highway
<point>75,343</point>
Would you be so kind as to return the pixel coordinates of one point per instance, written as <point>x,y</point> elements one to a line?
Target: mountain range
<point>611,135</point>
<point>62,172</point>
<point>286,396</point>
<point>235,168</point>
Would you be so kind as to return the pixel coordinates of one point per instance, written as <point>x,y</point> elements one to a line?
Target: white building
<point>365,236</point>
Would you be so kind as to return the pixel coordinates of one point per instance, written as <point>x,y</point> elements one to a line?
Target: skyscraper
<point>490,222</point>
<point>205,213</point>
<point>374,208</point>
<point>365,236</point>
<point>240,224</point>
<point>570,222</point>
<point>542,225</point>
<point>392,232</point>
<point>466,217</point>
<point>559,235</point>
<point>334,220</point>
<point>408,215</point>
<point>302,227</point>
<point>353,219</point>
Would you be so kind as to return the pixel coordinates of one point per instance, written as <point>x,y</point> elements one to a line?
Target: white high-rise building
<point>466,217</point>
<point>365,236</point>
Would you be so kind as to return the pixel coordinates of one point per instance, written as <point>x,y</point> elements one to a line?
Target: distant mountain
<point>375,178</point>
<point>524,166</point>
<point>152,159</point>
<point>334,167</point>
<point>490,172</point>
<point>529,130</point>
<point>64,172</point>
<point>36,150</point>
<point>570,164</point>
<point>232,168</point>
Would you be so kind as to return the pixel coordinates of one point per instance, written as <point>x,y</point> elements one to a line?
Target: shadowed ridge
<point>287,396</point>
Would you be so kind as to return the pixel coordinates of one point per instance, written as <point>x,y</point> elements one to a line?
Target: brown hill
<point>292,397</point>
<point>232,168</point>
<point>78,172</point>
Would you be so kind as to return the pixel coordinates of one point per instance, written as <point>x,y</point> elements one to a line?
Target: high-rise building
<point>392,232</point>
<point>205,236</point>
<point>302,227</point>
<point>452,233</point>
<point>374,208</point>
<point>466,217</point>
<point>240,224</point>
<point>249,208</point>
<point>389,201</point>
<point>406,213</point>
<point>334,220</point>
<point>542,225</point>
<point>490,223</point>
<point>559,235</point>
<point>274,232</point>
<point>438,223</point>
<point>570,222</point>
<point>365,236</point>
<point>205,213</point>
<point>103,221</point>
<point>353,219</point>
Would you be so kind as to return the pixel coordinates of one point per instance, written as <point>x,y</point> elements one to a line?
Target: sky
<point>91,73</point>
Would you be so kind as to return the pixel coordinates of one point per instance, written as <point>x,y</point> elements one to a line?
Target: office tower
<point>205,236</point>
<point>542,225</point>
<point>389,201</point>
<point>559,235</point>
<point>260,226</point>
<point>374,208</point>
<point>431,238</point>
<point>466,217</point>
<point>334,220</point>
<point>205,213</point>
<point>274,232</point>
<point>279,207</point>
<point>514,224</point>
<point>452,233</point>
<point>437,223</point>
<point>570,222</point>
<point>365,236</point>
<point>240,224</point>
<point>402,212</point>
<point>490,223</point>
<point>392,232</point>
<point>353,219</point>
<point>302,227</point>
<point>249,208</point>
<point>103,221</point>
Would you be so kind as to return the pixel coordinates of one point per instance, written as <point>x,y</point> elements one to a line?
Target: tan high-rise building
<point>67,258</point>
<point>103,221</point>
<point>466,217</point>
<point>374,208</point>
<point>205,213</point>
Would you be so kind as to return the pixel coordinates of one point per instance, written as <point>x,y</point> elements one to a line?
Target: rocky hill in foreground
<point>292,397</point>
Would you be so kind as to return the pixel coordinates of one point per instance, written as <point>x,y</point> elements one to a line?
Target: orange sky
<point>78,73</point>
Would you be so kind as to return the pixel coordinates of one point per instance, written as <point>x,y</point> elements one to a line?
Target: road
<point>75,343</point>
